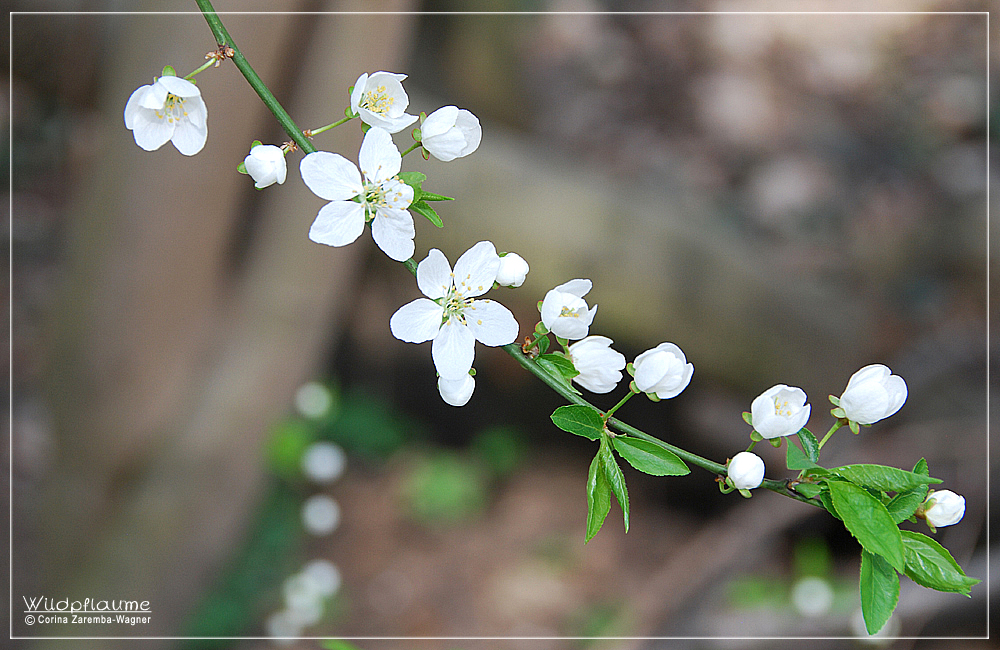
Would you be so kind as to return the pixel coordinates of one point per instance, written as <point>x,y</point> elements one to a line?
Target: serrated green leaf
<point>649,457</point>
<point>809,444</point>
<point>921,468</point>
<point>615,478</point>
<point>868,520</point>
<point>808,490</point>
<point>559,367</point>
<point>904,504</point>
<point>931,565</point>
<point>827,502</point>
<point>425,210</point>
<point>598,497</point>
<point>581,420</point>
<point>879,591</point>
<point>431,196</point>
<point>796,459</point>
<point>880,477</point>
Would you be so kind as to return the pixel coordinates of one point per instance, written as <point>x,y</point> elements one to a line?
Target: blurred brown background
<point>788,197</point>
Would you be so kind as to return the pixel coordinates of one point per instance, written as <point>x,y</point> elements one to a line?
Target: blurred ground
<point>787,197</point>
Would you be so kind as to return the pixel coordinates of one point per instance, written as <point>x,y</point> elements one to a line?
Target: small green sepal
<point>630,369</point>
<point>745,493</point>
<point>748,418</point>
<point>242,168</point>
<point>838,413</point>
<point>834,400</point>
<point>416,135</point>
<point>755,436</point>
<point>776,442</point>
<point>168,71</point>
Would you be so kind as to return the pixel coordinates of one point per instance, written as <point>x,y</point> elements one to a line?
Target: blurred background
<point>209,411</point>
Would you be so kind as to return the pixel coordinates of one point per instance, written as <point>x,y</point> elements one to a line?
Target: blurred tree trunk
<point>174,349</point>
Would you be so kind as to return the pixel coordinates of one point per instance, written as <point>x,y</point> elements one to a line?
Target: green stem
<point>753,443</point>
<point>204,67</point>
<point>617,406</point>
<point>836,425</point>
<point>222,37</point>
<point>412,147</point>
<point>330,126</point>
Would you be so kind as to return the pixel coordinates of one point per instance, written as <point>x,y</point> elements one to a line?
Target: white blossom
<point>450,132</point>
<point>457,392</point>
<point>513,270</point>
<point>169,110</point>
<point>266,165</point>
<point>382,197</point>
<point>746,470</point>
<point>599,366</point>
<point>664,371</point>
<point>872,394</point>
<point>565,312</point>
<point>380,100</point>
<point>450,315</point>
<point>780,411</point>
<point>943,508</point>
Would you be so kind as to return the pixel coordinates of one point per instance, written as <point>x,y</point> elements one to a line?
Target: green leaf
<point>615,477</point>
<point>931,565</point>
<point>808,490</point>
<point>904,504</point>
<point>880,477</point>
<point>413,179</point>
<point>431,196</point>
<point>559,367</point>
<point>921,468</point>
<point>581,420</point>
<point>598,497</point>
<point>650,457</point>
<point>879,591</point>
<point>425,210</point>
<point>543,345</point>
<point>868,520</point>
<point>796,459</point>
<point>809,444</point>
<point>827,501</point>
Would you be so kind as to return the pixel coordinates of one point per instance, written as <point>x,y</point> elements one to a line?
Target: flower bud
<point>599,366</point>
<point>450,132</point>
<point>943,508</point>
<point>266,165</point>
<point>457,392</point>
<point>746,470</point>
<point>663,371</point>
<point>513,270</point>
<point>872,394</point>
<point>779,411</point>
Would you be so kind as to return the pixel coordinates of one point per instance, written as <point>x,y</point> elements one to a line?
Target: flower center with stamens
<point>781,407</point>
<point>377,101</point>
<point>568,311</point>
<point>455,305</point>
<point>173,109</point>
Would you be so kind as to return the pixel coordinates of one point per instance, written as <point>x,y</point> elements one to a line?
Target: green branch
<point>223,38</point>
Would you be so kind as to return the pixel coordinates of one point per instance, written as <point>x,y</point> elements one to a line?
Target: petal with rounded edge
<point>453,350</point>
<point>476,269</point>
<point>338,223</point>
<point>417,321</point>
<point>189,138</point>
<point>434,275</point>
<point>134,105</point>
<point>155,97</point>
<point>150,134</point>
<point>491,323</point>
<point>578,287</point>
<point>379,158</point>
<point>330,176</point>
<point>393,231</point>
<point>178,86</point>
<point>359,90</point>
<point>439,122</point>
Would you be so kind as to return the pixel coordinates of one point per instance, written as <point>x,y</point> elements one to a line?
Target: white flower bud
<point>599,366</point>
<point>513,270</point>
<point>450,132</point>
<point>664,371</point>
<point>944,508</point>
<point>457,392</point>
<point>746,470</point>
<point>266,165</point>
<point>872,394</point>
<point>779,411</point>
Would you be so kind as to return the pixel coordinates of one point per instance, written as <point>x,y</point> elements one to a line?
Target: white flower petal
<point>178,86</point>
<point>491,323</point>
<point>453,350</point>
<point>439,122</point>
<point>457,392</point>
<point>155,97</point>
<point>189,138</point>
<point>476,269</point>
<point>434,275</point>
<point>359,90</point>
<point>578,288</point>
<point>393,231</point>
<point>330,176</point>
<point>338,223</point>
<point>392,125</point>
<point>471,129</point>
<point>379,158</point>
<point>197,111</point>
<point>417,321</point>
<point>134,105</point>
<point>150,134</point>
<point>398,194</point>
